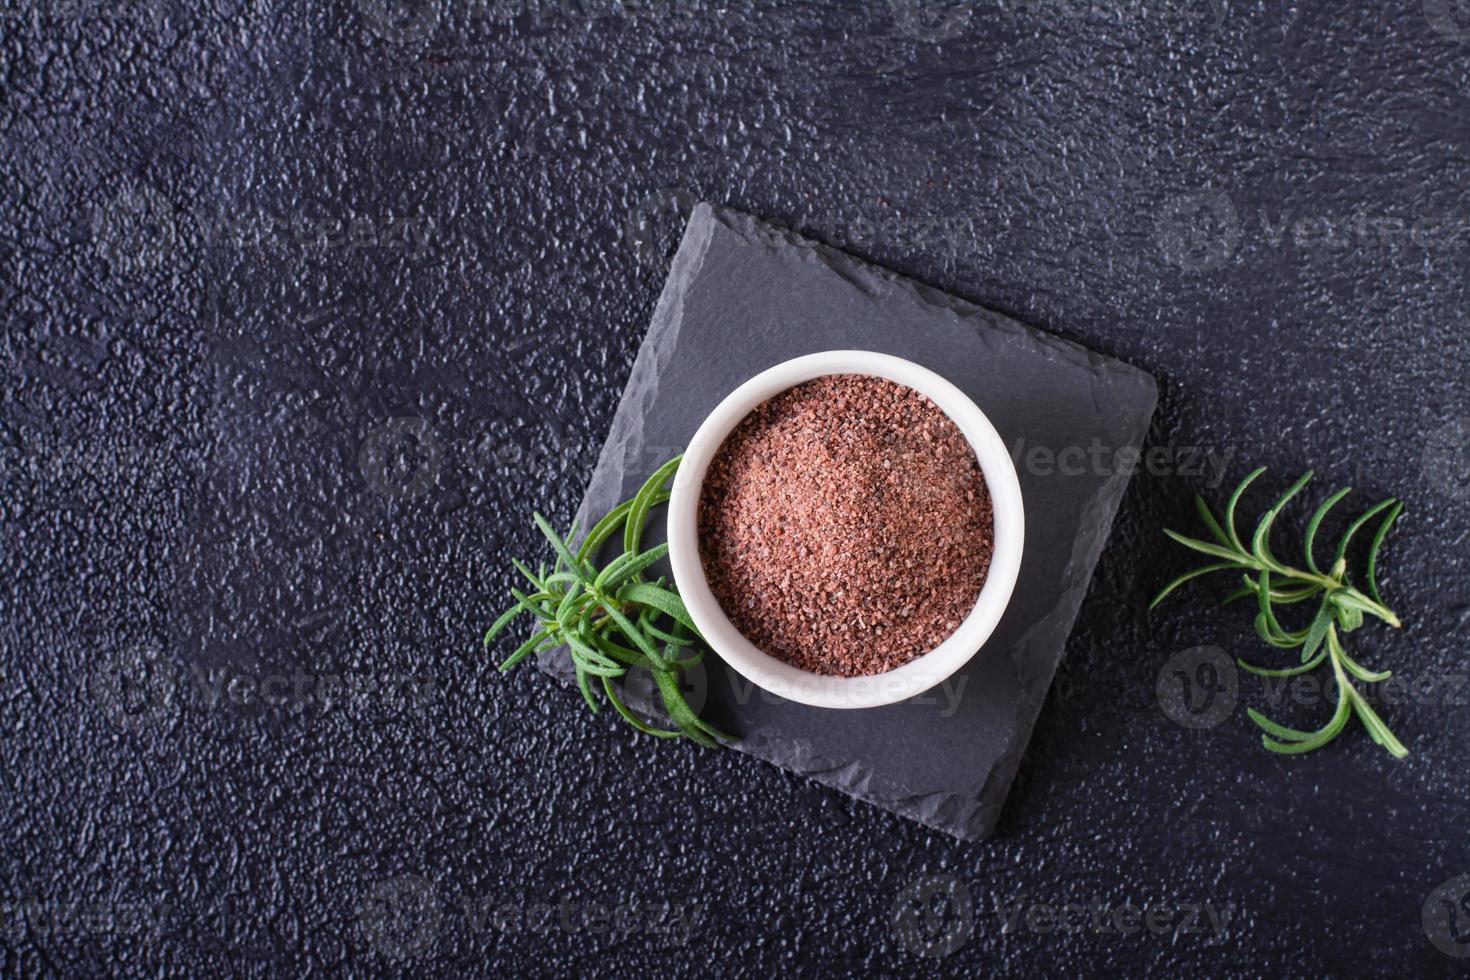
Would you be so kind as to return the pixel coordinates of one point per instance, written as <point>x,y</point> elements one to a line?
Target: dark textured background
<point>193,360</point>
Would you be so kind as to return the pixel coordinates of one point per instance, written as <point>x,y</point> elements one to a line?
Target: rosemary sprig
<point>1340,607</point>
<point>609,617</point>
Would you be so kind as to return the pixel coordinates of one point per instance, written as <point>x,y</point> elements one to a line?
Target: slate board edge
<point>1073,594</point>
<point>841,262</point>
<point>976,820</point>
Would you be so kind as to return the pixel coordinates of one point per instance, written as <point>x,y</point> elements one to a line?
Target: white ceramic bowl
<point>919,674</point>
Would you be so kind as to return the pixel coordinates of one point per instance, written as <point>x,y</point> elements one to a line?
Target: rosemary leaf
<point>585,686</point>
<point>1317,632</point>
<point>1310,665</point>
<point>1205,570</point>
<point>1368,515</point>
<point>1377,728</point>
<point>1210,522</point>
<point>1393,515</point>
<point>1203,547</point>
<point>632,719</point>
<point>603,530</point>
<point>525,648</point>
<point>1260,541</point>
<point>504,621</point>
<point>628,565</point>
<point>563,554</point>
<point>1235,499</point>
<point>643,501</point>
<point>1316,522</point>
<point>1308,741</point>
<point>661,599</point>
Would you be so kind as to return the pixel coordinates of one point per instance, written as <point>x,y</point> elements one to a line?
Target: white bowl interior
<point>919,674</point>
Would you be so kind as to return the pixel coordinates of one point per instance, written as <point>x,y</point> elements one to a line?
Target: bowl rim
<point>921,673</point>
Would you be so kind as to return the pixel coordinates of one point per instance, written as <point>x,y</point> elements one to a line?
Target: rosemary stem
<point>1328,583</point>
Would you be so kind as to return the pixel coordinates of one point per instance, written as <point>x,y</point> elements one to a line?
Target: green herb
<point>609,618</point>
<point>1340,607</point>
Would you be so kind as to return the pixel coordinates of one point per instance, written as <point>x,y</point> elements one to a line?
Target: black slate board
<point>743,295</point>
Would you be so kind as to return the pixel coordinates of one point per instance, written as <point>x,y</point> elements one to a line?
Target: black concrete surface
<point>239,239</point>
